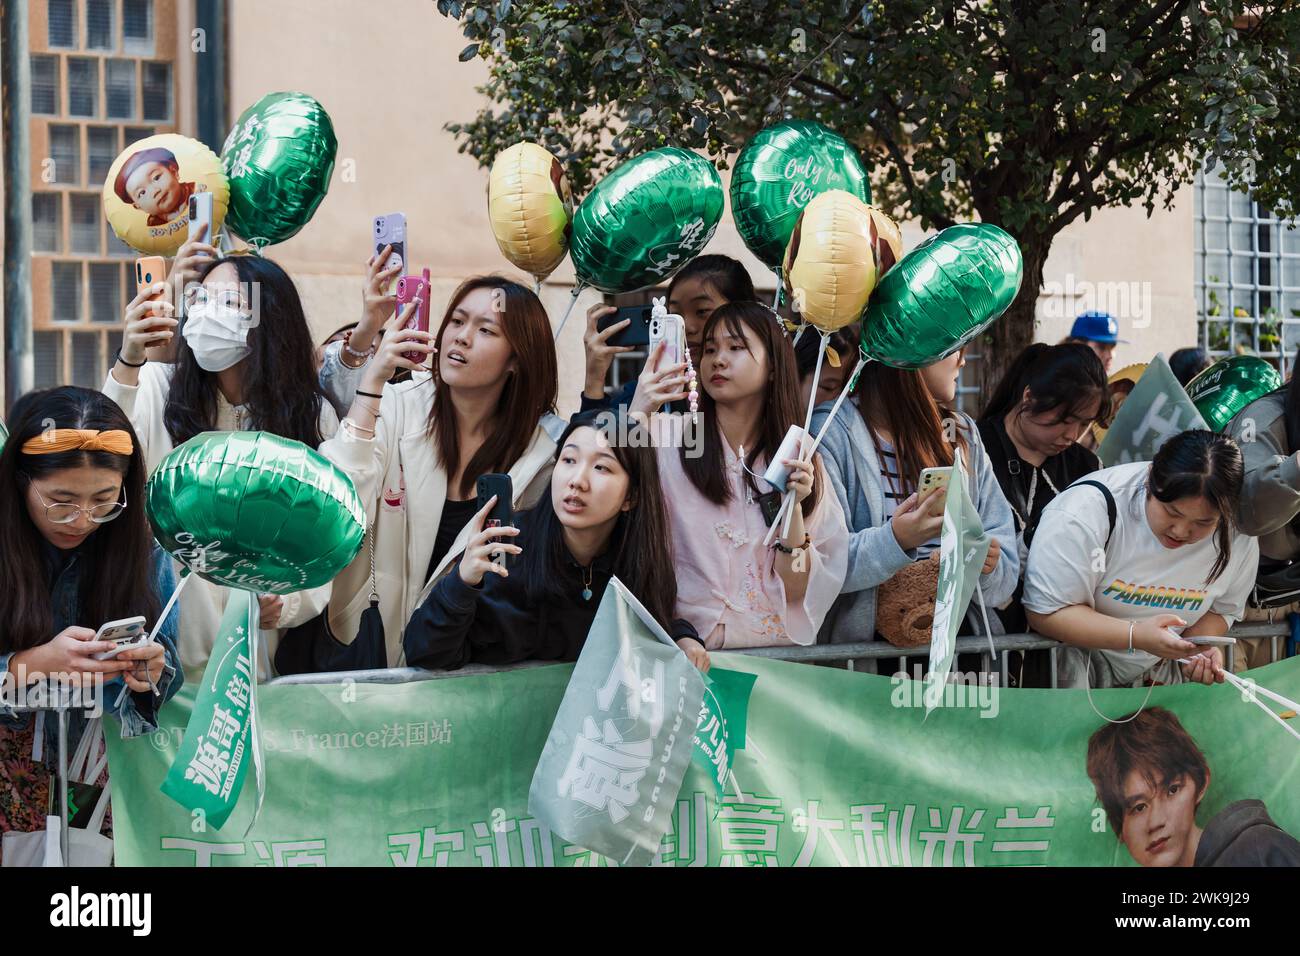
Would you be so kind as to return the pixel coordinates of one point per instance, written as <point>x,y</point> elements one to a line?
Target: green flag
<point>723,717</point>
<point>962,551</point>
<point>208,773</point>
<point>1156,410</point>
<point>610,770</point>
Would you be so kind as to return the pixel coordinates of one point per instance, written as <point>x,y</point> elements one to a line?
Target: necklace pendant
<point>586,594</point>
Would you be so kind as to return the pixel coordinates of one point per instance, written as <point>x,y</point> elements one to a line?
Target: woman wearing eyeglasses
<point>75,553</point>
<point>245,361</point>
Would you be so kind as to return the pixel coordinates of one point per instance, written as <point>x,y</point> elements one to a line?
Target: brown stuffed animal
<point>905,604</point>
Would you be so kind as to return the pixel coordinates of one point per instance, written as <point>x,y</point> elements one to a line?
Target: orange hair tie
<point>115,441</point>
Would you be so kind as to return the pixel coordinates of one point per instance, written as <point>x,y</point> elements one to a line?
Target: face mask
<point>217,335</point>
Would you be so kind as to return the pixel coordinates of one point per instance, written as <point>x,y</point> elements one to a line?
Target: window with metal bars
<point>1247,275</point>
<point>47,353</point>
<point>156,91</point>
<point>61,20</point>
<point>47,222</point>
<point>119,89</point>
<point>83,233</point>
<point>106,292</point>
<point>99,25</point>
<point>137,26</point>
<point>101,150</point>
<point>83,86</point>
<point>65,281</point>
<point>65,151</point>
<point>45,84</point>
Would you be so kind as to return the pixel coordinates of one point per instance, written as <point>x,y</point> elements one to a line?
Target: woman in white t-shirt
<point>1168,557</point>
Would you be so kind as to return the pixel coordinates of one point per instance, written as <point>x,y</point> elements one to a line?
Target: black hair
<point>1066,378</point>
<point>806,349</point>
<point>281,384</point>
<point>1200,464</point>
<point>727,276</point>
<point>118,579</point>
<point>1189,363</point>
<point>642,538</point>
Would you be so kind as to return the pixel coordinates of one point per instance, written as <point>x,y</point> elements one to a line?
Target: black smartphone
<point>637,334</point>
<point>771,504</point>
<point>502,513</point>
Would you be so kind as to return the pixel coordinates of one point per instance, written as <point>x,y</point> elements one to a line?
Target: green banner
<point>839,768</point>
<point>1156,410</point>
<point>962,550</point>
<point>208,774</point>
<point>610,770</point>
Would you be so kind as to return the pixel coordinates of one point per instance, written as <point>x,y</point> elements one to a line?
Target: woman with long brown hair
<point>900,423</point>
<point>734,589</point>
<point>415,450</point>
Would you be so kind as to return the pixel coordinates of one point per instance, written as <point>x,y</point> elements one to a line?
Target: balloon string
<point>573,299</point>
<point>807,424</point>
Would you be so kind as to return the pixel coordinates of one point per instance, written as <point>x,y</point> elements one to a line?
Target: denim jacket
<point>137,711</point>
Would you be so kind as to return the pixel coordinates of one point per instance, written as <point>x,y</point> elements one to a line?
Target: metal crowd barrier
<point>861,656</point>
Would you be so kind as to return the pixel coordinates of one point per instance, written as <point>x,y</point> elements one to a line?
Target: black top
<point>1015,476</point>
<point>455,515</point>
<point>495,623</point>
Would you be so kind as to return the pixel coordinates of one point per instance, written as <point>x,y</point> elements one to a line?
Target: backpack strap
<point>1111,511</point>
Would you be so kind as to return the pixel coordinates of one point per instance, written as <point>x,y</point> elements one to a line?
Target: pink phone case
<point>410,288</point>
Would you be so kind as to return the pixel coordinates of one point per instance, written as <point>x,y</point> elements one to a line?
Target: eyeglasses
<point>60,512</point>
<point>197,296</point>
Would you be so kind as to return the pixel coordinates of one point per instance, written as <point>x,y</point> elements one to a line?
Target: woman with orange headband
<point>75,553</point>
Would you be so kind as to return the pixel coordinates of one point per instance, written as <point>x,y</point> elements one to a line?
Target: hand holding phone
<point>149,271</point>
<point>200,215</point>
<point>128,632</point>
<point>390,230</point>
<point>414,289</point>
<point>637,333</point>
<point>932,479</point>
<point>670,329</point>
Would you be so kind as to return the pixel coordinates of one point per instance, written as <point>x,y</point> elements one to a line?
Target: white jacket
<point>202,603</point>
<point>397,468</point>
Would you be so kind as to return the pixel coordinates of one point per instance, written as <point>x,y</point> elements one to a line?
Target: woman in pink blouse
<point>735,591</point>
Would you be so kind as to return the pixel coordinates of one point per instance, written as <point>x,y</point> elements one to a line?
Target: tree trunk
<point>1005,338</point>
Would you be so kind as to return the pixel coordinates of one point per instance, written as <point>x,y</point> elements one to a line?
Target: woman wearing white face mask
<point>245,361</point>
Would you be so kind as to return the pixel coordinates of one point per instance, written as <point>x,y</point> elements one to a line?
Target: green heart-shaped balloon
<point>255,511</point>
<point>1228,386</point>
<point>778,173</point>
<point>941,295</point>
<point>279,158</point>
<point>645,220</point>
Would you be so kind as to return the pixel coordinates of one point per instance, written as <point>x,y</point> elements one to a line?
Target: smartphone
<point>149,271</point>
<point>390,230</point>
<point>201,215</point>
<point>502,513</point>
<point>125,633</point>
<point>1217,641</point>
<point>932,479</point>
<point>410,288</point>
<point>670,329</point>
<point>637,333</point>
<point>771,505</point>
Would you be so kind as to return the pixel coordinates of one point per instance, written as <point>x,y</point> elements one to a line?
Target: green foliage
<point>1036,112</point>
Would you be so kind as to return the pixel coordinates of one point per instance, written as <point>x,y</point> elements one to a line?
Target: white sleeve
<point>1067,557</point>
<point>1239,578</point>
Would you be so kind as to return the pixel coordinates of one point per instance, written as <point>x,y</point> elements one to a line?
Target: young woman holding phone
<point>244,362</point>
<point>75,553</point>
<point>734,589</point>
<point>415,450</point>
<point>604,517</point>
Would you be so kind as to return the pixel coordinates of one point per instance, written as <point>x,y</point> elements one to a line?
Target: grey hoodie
<point>849,456</point>
<point>1243,834</point>
<point>1270,495</point>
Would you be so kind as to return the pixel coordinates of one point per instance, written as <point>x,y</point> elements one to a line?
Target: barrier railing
<point>867,653</point>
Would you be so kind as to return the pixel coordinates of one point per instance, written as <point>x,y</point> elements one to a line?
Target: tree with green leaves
<point>1022,113</point>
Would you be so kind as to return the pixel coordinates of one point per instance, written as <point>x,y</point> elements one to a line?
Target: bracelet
<point>807,540</point>
<point>1131,625</point>
<point>131,364</point>
<point>352,427</point>
<point>370,395</point>
<point>347,346</point>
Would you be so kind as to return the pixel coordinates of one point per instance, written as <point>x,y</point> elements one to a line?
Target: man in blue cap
<point>1100,332</point>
